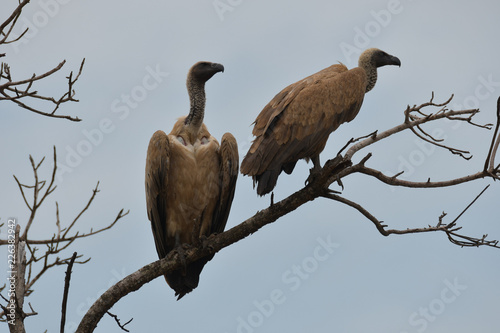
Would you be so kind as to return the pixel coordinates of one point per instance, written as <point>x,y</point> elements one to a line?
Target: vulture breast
<point>194,183</point>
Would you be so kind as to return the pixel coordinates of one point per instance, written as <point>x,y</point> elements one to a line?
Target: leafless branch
<point>60,241</point>
<point>38,198</point>
<point>462,115</point>
<point>122,326</point>
<point>450,229</point>
<point>66,291</point>
<point>393,180</point>
<point>17,91</point>
<point>21,92</point>
<point>10,22</point>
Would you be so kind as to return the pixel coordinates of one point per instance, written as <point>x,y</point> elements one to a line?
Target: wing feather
<point>229,168</point>
<point>297,122</point>
<point>157,170</point>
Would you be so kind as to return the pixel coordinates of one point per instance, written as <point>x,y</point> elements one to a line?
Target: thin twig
<point>13,91</point>
<point>468,206</point>
<point>122,326</point>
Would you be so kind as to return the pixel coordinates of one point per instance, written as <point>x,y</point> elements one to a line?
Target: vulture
<point>296,123</point>
<point>190,182</point>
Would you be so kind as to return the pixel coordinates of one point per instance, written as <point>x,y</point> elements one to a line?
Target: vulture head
<point>373,58</point>
<point>202,71</point>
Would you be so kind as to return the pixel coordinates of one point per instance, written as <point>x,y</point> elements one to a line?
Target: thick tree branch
<point>214,244</point>
<point>333,171</point>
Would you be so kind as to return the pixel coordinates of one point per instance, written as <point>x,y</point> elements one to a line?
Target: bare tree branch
<point>11,20</point>
<point>454,115</point>
<point>393,180</point>
<point>450,228</point>
<point>60,241</point>
<point>489,164</point>
<point>15,91</point>
<point>122,326</point>
<point>39,197</point>
<point>20,92</point>
<point>66,291</point>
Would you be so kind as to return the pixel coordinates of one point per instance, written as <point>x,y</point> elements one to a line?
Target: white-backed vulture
<point>296,123</point>
<point>190,181</point>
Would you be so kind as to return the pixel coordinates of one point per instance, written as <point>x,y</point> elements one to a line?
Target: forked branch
<point>19,92</point>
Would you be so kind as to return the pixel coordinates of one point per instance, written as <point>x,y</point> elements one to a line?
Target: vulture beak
<point>395,61</point>
<point>383,59</point>
<point>219,67</point>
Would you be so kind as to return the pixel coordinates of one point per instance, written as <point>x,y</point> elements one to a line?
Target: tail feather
<point>183,282</point>
<point>266,181</point>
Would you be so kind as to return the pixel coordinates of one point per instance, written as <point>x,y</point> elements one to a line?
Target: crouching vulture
<point>298,120</point>
<point>190,182</point>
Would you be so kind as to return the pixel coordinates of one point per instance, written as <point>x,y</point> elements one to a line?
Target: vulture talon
<point>330,191</point>
<point>339,181</point>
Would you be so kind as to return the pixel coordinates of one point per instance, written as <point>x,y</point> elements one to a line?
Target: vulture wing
<point>298,120</point>
<point>228,175</point>
<point>157,165</point>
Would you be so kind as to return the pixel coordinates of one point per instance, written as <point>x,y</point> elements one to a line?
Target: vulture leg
<point>181,253</point>
<point>313,172</point>
<point>316,163</point>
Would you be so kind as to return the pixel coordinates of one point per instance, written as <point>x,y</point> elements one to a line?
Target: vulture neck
<point>371,74</point>
<point>194,120</point>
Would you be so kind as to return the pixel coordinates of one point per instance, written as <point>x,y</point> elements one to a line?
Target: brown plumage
<point>298,120</point>
<point>190,181</point>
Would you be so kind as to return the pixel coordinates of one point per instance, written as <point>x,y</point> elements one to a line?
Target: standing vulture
<point>298,120</point>
<point>190,181</point>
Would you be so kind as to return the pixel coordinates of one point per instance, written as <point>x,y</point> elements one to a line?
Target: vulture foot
<point>205,242</point>
<point>313,173</point>
<point>182,256</point>
<point>179,248</point>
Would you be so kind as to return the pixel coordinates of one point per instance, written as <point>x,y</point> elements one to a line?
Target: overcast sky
<point>322,268</point>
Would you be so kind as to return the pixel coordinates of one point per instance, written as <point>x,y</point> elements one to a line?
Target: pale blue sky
<point>362,281</point>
